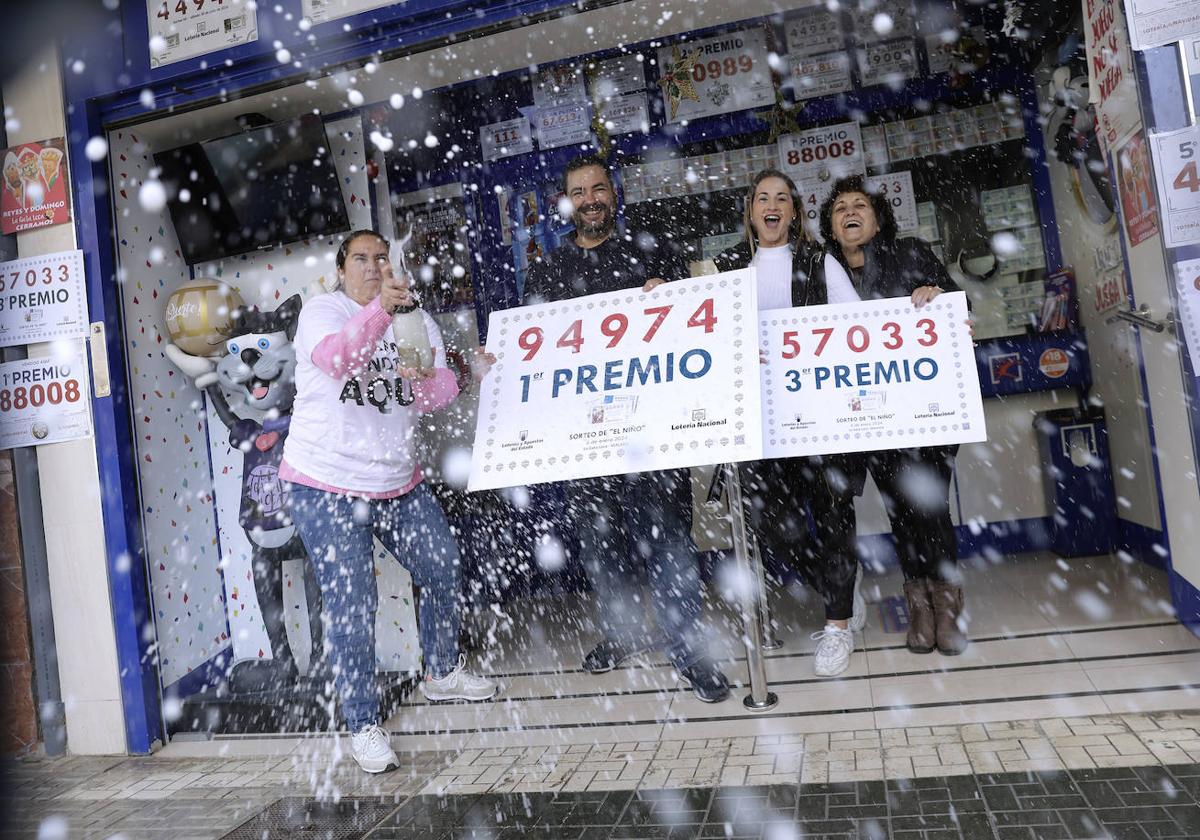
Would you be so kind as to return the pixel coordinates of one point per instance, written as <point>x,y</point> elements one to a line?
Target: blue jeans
<point>634,531</point>
<point>337,531</point>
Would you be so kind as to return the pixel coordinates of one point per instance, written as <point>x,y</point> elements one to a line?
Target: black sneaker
<point>707,682</point>
<point>608,654</point>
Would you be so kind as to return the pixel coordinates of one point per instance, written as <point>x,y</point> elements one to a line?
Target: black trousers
<point>779,495</point>
<point>915,485</point>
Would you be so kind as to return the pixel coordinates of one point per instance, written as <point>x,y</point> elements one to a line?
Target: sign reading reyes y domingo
<point>872,375</point>
<point>618,383</point>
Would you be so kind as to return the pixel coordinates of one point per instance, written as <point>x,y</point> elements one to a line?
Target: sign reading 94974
<point>1177,168</point>
<point>618,383</point>
<point>865,376</point>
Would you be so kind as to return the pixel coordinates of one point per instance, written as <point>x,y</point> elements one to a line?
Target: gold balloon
<point>199,316</point>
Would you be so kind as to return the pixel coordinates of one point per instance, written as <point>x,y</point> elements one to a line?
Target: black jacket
<point>896,267</point>
<point>808,270</point>
<point>619,262</point>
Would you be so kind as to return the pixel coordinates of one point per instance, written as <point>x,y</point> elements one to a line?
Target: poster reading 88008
<point>618,383</point>
<point>866,376</point>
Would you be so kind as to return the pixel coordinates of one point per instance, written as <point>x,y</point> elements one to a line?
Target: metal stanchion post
<point>770,640</point>
<point>760,698</point>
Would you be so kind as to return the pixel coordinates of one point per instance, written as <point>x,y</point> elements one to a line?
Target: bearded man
<point>633,530</point>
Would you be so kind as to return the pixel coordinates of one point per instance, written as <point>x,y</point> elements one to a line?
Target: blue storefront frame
<point>114,91</point>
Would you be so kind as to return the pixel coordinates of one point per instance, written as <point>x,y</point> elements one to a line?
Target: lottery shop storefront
<point>453,146</point>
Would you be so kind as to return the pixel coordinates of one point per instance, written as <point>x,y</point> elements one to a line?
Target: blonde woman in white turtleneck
<point>783,492</point>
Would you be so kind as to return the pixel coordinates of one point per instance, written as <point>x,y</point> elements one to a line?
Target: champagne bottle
<point>413,349</point>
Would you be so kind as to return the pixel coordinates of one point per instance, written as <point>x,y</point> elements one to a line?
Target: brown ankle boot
<point>947,607</point>
<point>921,632</point>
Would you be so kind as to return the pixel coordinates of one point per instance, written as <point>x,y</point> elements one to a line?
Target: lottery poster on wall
<point>505,139</point>
<point>897,188</point>
<point>866,376</point>
<point>623,382</point>
<point>1187,284</point>
<point>716,75</point>
<point>45,400</point>
<point>36,192</point>
<point>814,32</point>
<point>890,63</point>
<point>560,84</point>
<point>1134,179</point>
<point>1112,87</point>
<point>42,299</point>
<point>563,125</point>
<point>882,21</point>
<point>1153,23</point>
<point>616,76</point>
<point>825,74</point>
<point>626,114</point>
<point>182,29</point>
<point>1176,156</point>
<point>431,227</point>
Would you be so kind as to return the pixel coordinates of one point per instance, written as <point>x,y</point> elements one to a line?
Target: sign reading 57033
<point>871,375</point>
<point>42,299</point>
<point>618,383</point>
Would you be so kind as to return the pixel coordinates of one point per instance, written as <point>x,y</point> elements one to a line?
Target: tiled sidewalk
<point>1056,744</point>
<point>207,797</point>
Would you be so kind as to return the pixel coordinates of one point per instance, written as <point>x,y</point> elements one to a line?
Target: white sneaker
<point>833,652</point>
<point>859,619</point>
<point>459,684</point>
<point>372,750</point>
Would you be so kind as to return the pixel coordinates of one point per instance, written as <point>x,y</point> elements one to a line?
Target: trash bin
<point>1077,477</point>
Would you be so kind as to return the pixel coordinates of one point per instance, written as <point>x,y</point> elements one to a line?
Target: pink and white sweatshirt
<point>354,419</point>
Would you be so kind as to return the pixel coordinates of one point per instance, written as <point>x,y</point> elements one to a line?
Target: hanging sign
<point>1136,187</point>
<point>825,74</point>
<point>44,400</point>
<point>716,75</point>
<point>1153,23</point>
<point>1187,284</point>
<point>890,63</point>
<point>42,299</point>
<point>558,85</point>
<point>864,376</point>
<point>882,21</point>
<point>814,32</point>
<point>626,114</point>
<point>623,382</point>
<point>319,11</point>
<point>615,76</point>
<point>182,29</point>
<point>1111,84</point>
<point>1177,170</point>
<point>563,125</point>
<point>897,188</point>
<point>504,139</point>
<point>36,192</point>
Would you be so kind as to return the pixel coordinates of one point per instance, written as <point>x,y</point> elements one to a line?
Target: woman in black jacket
<point>779,490</point>
<point>862,247</point>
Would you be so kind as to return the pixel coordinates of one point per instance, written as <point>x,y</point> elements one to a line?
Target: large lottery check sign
<point>871,375</point>
<point>617,383</point>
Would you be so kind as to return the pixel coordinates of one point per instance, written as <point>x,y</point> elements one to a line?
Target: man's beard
<point>601,228</point>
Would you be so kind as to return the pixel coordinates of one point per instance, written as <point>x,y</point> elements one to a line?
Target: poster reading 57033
<point>618,383</point>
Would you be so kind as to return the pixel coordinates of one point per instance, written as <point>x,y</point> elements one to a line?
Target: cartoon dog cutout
<point>259,369</point>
